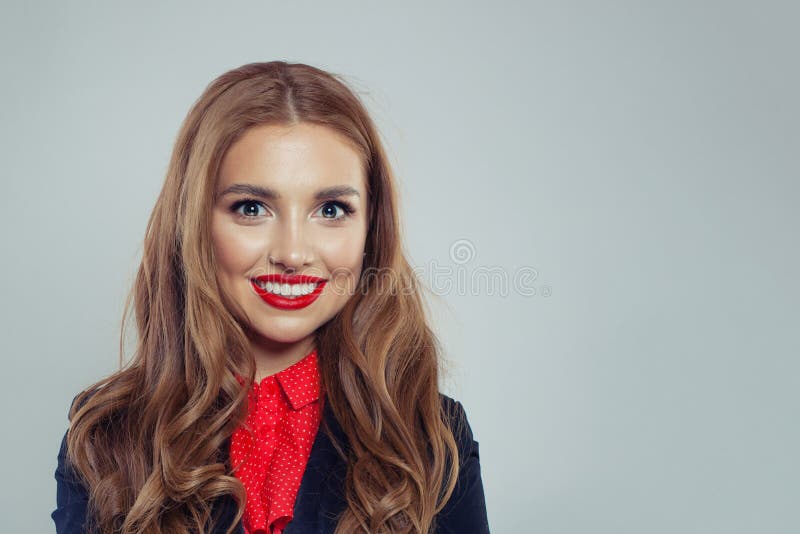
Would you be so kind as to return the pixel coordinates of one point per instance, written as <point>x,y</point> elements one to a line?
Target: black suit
<point>321,495</point>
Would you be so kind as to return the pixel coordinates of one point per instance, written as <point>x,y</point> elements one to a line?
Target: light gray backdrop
<point>633,164</point>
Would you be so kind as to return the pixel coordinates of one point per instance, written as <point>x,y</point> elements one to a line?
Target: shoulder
<point>79,400</point>
<point>465,510</point>
<point>71,493</point>
<point>455,416</point>
<point>452,407</point>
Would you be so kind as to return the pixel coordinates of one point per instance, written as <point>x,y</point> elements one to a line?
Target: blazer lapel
<point>320,498</point>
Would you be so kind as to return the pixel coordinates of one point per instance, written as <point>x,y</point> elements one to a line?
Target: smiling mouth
<point>289,291</point>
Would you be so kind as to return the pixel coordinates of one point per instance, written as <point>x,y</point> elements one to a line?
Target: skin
<point>295,233</point>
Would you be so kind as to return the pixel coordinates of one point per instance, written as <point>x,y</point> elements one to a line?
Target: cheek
<point>236,251</point>
<point>344,258</point>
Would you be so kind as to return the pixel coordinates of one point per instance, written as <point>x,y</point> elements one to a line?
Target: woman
<point>285,377</point>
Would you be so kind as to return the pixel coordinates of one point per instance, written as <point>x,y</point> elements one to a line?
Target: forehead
<point>292,159</point>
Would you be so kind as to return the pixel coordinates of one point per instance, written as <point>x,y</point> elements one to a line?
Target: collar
<point>300,381</point>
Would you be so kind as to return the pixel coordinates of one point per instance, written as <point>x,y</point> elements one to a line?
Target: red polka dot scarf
<point>284,412</point>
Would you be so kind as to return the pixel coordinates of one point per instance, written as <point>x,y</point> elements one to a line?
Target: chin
<point>284,333</point>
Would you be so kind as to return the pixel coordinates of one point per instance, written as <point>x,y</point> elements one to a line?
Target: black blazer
<point>321,495</point>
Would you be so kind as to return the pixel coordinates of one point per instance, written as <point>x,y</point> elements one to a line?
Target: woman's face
<point>290,200</point>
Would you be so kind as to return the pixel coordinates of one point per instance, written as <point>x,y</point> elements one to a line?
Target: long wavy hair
<point>149,440</point>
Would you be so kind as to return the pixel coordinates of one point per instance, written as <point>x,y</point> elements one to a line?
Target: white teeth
<point>287,290</point>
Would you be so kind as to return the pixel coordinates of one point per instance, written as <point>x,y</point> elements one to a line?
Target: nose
<point>291,250</point>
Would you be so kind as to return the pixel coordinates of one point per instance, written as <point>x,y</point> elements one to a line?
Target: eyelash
<point>346,207</point>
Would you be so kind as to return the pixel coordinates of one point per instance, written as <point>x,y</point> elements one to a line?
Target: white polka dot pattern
<point>284,412</point>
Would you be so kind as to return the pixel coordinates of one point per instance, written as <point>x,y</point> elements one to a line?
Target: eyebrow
<point>268,193</point>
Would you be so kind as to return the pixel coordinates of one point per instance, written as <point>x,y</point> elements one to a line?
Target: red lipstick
<point>285,302</point>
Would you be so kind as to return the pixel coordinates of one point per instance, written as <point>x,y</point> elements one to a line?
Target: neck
<point>274,356</point>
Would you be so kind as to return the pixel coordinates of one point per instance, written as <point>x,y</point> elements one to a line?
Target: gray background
<point>640,157</point>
